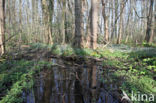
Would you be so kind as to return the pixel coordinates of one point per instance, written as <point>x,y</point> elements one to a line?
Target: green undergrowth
<point>67,50</point>
<point>17,77</point>
<point>138,68</point>
<point>143,44</point>
<point>140,62</point>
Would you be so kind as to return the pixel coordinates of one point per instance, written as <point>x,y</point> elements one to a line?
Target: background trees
<point>84,23</point>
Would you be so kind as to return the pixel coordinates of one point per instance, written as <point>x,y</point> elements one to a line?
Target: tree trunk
<point>149,34</point>
<point>105,17</point>
<point>116,16</point>
<point>88,33</point>
<point>128,23</point>
<point>120,25</point>
<point>47,18</point>
<point>93,83</point>
<point>2,27</point>
<point>155,21</point>
<point>78,40</point>
<point>20,22</point>
<point>112,21</point>
<point>63,24</point>
<point>94,23</point>
<point>120,32</point>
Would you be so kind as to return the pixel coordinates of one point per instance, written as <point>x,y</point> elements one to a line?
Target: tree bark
<point>64,21</point>
<point>149,34</point>
<point>155,21</point>
<point>120,25</point>
<point>20,21</point>
<point>47,18</point>
<point>78,40</point>
<point>2,27</point>
<point>112,21</point>
<point>88,33</point>
<point>116,16</point>
<point>94,23</point>
<point>105,17</point>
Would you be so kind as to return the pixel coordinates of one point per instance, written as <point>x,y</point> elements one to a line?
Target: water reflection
<point>71,83</point>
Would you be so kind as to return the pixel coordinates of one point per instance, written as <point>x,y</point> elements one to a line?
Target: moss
<point>138,69</point>
<point>17,76</point>
<point>14,94</point>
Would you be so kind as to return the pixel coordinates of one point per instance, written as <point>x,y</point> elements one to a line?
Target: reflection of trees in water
<point>78,87</point>
<point>43,90</point>
<point>93,84</point>
<point>71,85</point>
<point>49,82</point>
<point>85,85</point>
<point>62,86</point>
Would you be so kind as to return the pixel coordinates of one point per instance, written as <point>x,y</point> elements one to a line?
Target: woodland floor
<point>130,68</point>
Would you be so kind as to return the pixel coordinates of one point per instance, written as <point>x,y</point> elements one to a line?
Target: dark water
<point>70,82</point>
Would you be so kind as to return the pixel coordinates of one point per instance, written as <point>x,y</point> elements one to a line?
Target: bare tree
<point>116,17</point>
<point>2,27</point>
<point>94,23</point>
<point>155,20</point>
<point>105,17</point>
<point>20,21</point>
<point>149,34</point>
<point>47,8</point>
<point>122,5</point>
<point>64,21</point>
<point>78,40</point>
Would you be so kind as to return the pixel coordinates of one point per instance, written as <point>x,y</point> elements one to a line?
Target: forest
<point>77,51</point>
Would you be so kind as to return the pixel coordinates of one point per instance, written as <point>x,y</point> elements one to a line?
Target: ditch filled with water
<point>75,82</point>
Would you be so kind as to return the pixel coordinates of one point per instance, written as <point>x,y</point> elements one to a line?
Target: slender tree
<point>20,21</point>
<point>88,33</point>
<point>94,23</point>
<point>122,5</point>
<point>105,17</point>
<point>112,19</point>
<point>64,21</point>
<point>2,27</point>
<point>155,20</point>
<point>116,17</point>
<point>149,34</point>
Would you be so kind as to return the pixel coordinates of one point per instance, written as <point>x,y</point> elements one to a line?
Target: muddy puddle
<point>74,82</point>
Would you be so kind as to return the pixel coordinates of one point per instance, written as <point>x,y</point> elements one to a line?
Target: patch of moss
<point>17,76</point>
<point>14,94</point>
